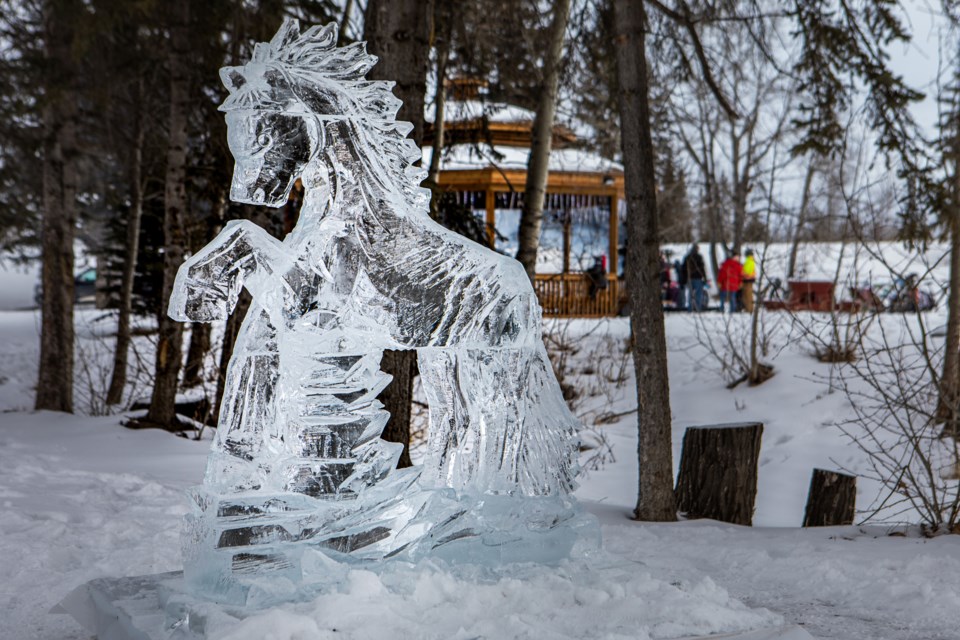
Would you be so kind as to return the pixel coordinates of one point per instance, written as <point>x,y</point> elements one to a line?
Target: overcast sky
<point>918,61</point>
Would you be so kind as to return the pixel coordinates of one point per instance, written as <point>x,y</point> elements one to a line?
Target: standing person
<point>664,277</point>
<point>696,272</point>
<point>681,284</point>
<point>728,281</point>
<point>749,278</point>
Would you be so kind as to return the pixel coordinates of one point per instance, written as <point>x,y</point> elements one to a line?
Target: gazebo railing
<point>572,295</point>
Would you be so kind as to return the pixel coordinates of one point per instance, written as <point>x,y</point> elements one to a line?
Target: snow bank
<point>84,498</point>
<point>576,600</point>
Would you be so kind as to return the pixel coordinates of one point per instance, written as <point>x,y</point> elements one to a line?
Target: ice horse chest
<point>298,467</point>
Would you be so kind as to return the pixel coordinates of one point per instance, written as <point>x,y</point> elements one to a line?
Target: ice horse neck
<point>365,227</point>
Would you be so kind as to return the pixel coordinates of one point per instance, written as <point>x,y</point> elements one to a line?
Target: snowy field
<point>84,498</point>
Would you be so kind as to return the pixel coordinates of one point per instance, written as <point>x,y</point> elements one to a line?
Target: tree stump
<point>718,472</point>
<point>832,499</point>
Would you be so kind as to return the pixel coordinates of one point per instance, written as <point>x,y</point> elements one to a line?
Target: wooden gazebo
<point>484,164</point>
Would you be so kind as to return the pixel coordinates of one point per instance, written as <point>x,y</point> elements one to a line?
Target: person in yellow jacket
<point>748,279</point>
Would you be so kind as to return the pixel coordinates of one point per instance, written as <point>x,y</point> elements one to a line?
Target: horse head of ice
<point>294,99</point>
<point>271,150</point>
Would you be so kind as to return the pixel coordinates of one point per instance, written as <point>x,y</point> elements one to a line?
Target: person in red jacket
<point>729,281</point>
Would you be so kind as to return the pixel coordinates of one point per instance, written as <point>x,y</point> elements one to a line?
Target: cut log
<point>718,472</point>
<point>832,500</point>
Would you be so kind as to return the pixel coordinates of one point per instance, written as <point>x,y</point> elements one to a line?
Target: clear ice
<point>298,476</point>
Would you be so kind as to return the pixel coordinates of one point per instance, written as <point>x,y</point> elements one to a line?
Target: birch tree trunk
<point>442,29</point>
<point>398,32</point>
<point>801,220</point>
<point>538,164</point>
<point>118,380</point>
<point>162,410</point>
<point>60,150</point>
<point>655,453</point>
<point>433,173</point>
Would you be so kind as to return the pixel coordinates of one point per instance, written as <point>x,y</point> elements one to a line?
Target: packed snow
<point>86,498</point>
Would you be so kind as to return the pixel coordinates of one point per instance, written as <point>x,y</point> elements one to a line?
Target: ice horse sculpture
<point>298,473</point>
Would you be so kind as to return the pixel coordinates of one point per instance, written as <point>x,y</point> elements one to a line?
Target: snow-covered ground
<point>19,279</point>
<point>83,497</point>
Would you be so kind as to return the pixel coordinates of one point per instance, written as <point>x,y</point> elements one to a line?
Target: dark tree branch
<point>686,20</point>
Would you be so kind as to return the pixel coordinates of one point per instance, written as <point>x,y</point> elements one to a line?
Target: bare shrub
<point>726,342</point>
<point>94,367</point>
<point>894,388</point>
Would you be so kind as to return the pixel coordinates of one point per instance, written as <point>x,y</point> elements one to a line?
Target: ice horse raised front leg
<point>298,473</point>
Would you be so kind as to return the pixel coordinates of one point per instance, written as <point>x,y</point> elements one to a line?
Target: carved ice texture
<point>298,473</point>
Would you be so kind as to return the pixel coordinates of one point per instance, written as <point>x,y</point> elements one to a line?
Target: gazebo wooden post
<point>614,266</point>
<point>491,217</point>
<point>567,227</point>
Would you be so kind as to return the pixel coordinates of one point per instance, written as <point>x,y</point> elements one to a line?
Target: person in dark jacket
<point>681,284</point>
<point>696,276</point>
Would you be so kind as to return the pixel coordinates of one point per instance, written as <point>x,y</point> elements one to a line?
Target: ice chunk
<point>298,466</point>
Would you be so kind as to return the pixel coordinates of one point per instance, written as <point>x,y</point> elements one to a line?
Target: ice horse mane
<point>306,74</point>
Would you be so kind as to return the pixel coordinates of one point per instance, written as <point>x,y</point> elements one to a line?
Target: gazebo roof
<point>467,157</point>
<point>487,146</point>
<point>465,110</point>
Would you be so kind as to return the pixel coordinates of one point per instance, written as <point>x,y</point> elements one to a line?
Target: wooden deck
<point>569,295</point>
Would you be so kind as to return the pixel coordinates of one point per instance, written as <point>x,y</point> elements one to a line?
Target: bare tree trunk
<point>442,27</point>
<point>438,125</point>
<point>118,380</point>
<point>711,197</point>
<point>398,32</point>
<point>196,353</point>
<point>947,406</point>
<point>801,219</point>
<point>739,192</point>
<point>60,150</point>
<point>230,332</point>
<point>538,164</point>
<point>162,410</point>
<point>345,22</point>
<point>398,396</point>
<point>715,228</point>
<point>760,372</point>
<point>655,453</point>
<point>949,391</point>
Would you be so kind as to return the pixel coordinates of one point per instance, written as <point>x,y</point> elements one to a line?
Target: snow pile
<point>576,600</point>
<point>84,498</point>
<point>839,582</point>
